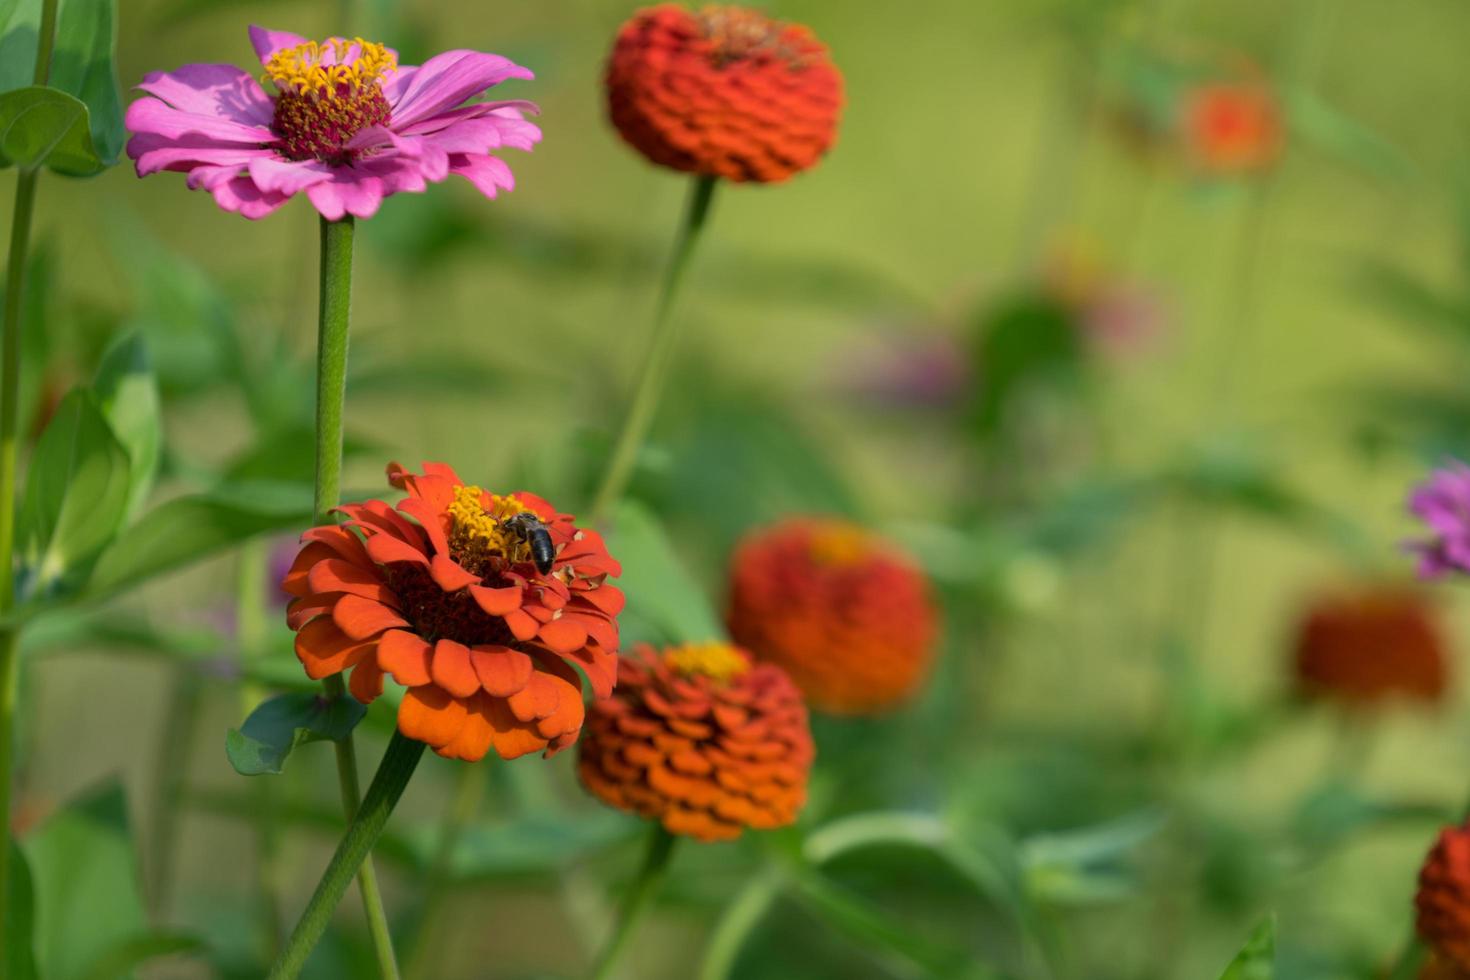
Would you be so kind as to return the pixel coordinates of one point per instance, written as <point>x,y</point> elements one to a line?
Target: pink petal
<point>446,80</point>
<point>268,42</point>
<point>150,115</point>
<point>487,173</point>
<point>224,91</point>
<point>348,192</point>
<point>287,176</point>
<point>154,153</point>
<point>243,197</point>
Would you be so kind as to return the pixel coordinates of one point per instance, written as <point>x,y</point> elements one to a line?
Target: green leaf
<point>278,726</point>
<point>43,127</point>
<point>84,871</point>
<point>82,65</point>
<point>121,958</point>
<point>1257,960</point>
<point>18,958</point>
<point>75,497</point>
<point>188,529</point>
<point>128,395</point>
<point>1025,342</point>
<point>660,591</point>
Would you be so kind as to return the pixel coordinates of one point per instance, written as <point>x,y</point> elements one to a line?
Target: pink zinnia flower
<point>347,125</point>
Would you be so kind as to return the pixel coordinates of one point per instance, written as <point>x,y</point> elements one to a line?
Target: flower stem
<point>10,330</point>
<point>650,877</point>
<point>394,772</point>
<point>334,320</point>
<point>660,354</point>
<point>738,921</point>
<point>469,786</point>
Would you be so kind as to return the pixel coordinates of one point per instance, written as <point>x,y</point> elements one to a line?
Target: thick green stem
<point>645,886</point>
<point>468,788</point>
<point>394,772</point>
<point>660,354</point>
<point>334,320</point>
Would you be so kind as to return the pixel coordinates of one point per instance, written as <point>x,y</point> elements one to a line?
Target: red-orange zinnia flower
<point>445,593</point>
<point>1232,128</point>
<point>847,615</point>
<point>1437,968</point>
<point>1443,899</point>
<point>702,739</point>
<point>725,92</point>
<point>1371,644</point>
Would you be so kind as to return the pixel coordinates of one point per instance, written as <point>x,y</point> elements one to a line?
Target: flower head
<point>842,611</point>
<point>701,739</point>
<point>1232,128</point>
<point>1443,899</point>
<point>346,124</point>
<point>443,593</point>
<point>1443,504</point>
<point>725,92</point>
<point>1368,645</point>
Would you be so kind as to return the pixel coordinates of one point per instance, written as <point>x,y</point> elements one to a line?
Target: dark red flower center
<point>439,615</point>
<point>311,128</point>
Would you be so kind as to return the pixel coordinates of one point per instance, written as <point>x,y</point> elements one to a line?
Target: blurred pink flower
<point>919,371</point>
<point>347,125</point>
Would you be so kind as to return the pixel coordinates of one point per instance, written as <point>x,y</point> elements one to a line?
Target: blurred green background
<point>1112,735</point>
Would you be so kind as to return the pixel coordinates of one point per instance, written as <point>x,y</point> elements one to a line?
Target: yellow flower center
<point>717,661</point>
<point>478,534</point>
<point>356,65</point>
<point>838,544</point>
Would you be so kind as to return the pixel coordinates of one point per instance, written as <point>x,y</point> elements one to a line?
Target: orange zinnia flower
<point>702,739</point>
<point>1443,899</point>
<point>464,605</point>
<point>726,92</point>
<point>1232,128</point>
<point>1369,645</point>
<point>845,613</point>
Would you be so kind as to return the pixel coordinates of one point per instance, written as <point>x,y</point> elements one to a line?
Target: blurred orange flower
<point>701,739</point>
<point>847,615</point>
<point>725,92</point>
<point>1370,644</point>
<point>1443,899</point>
<point>460,601</point>
<point>1232,128</point>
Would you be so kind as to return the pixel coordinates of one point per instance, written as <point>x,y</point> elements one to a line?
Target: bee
<point>529,528</point>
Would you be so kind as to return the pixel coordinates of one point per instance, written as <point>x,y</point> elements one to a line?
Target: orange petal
<point>325,650</point>
<point>336,575</point>
<point>538,699</point>
<point>304,609</point>
<point>366,683</point>
<point>386,549</point>
<point>362,618</point>
<point>497,602</point>
<point>452,670</point>
<point>522,627</point>
<point>563,635</point>
<point>511,739</point>
<point>341,540</point>
<point>295,580</point>
<point>405,655</point>
<point>502,671</point>
<point>431,715</point>
<point>473,740</point>
<point>449,576</point>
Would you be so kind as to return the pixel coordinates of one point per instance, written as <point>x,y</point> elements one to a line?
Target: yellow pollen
<point>476,533</point>
<point>299,70</point>
<point>714,660</point>
<point>838,544</point>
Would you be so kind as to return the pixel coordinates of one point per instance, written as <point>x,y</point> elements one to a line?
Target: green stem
<point>334,320</point>
<point>394,772</point>
<point>10,331</point>
<point>175,751</point>
<point>650,877</point>
<point>660,354</point>
<point>469,787</point>
<point>740,919</point>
